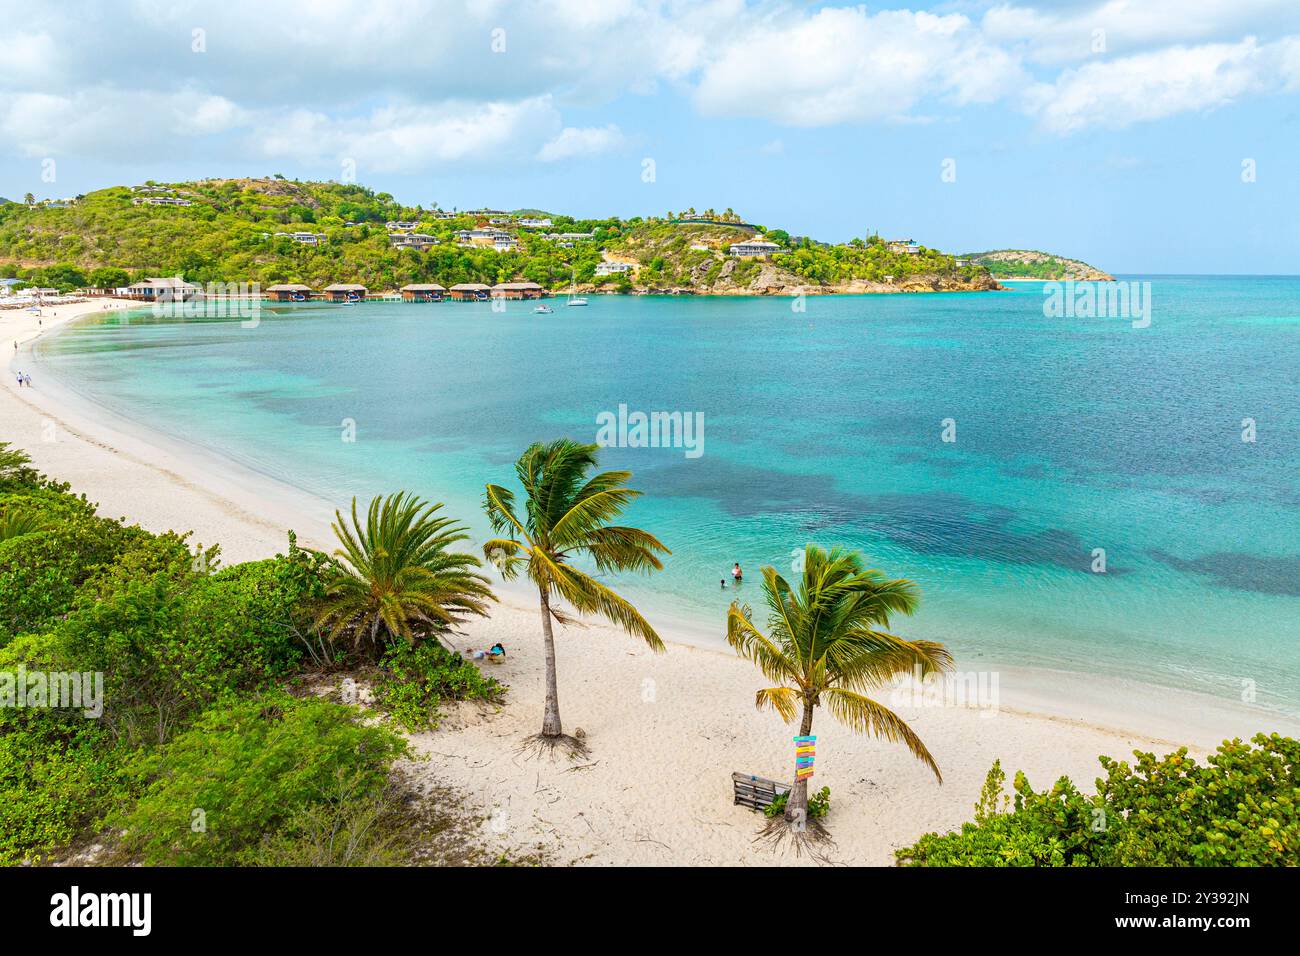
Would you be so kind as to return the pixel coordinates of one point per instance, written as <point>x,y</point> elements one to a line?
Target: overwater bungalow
<point>345,292</point>
<point>423,292</point>
<point>289,292</point>
<point>517,290</point>
<point>470,292</point>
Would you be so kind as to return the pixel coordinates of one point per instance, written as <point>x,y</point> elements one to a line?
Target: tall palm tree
<point>828,643</point>
<point>567,515</point>
<point>396,576</point>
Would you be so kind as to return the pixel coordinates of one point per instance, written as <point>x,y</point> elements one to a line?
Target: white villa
<point>160,201</point>
<point>535,223</point>
<point>757,246</point>
<point>401,224</point>
<point>614,268</point>
<point>480,237</point>
<point>306,238</point>
<point>905,246</point>
<point>411,240</point>
<point>505,244</point>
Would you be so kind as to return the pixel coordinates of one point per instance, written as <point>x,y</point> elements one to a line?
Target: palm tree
<point>397,577</point>
<point>828,644</point>
<point>567,516</point>
<point>15,523</point>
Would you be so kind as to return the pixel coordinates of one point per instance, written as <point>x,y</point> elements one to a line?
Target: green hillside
<point>1031,264</point>
<point>227,235</point>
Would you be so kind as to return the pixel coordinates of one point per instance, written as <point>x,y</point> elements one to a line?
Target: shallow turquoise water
<point>824,425</point>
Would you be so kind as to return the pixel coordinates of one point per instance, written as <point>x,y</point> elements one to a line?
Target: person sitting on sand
<point>497,650</point>
<point>736,572</point>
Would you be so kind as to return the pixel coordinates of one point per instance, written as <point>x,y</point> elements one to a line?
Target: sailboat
<point>574,299</point>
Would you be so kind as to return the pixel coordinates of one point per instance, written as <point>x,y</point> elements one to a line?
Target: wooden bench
<point>756,792</point>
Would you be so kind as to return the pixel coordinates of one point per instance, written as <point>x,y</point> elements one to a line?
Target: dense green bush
<point>413,680</point>
<point>59,771</point>
<point>41,572</point>
<point>244,770</point>
<point>1241,808</point>
<point>171,637</point>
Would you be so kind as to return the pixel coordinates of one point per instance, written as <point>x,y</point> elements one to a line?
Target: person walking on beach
<point>27,380</point>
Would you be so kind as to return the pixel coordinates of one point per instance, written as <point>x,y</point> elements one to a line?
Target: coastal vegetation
<point>214,742</point>
<point>568,515</point>
<point>1031,264</point>
<point>240,230</point>
<point>828,645</point>
<point>396,578</point>
<point>221,736</point>
<point>1240,808</point>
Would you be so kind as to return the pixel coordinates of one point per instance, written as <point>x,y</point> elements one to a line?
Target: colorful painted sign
<point>805,748</point>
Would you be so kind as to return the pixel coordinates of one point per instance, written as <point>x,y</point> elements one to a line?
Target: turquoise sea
<point>826,425</point>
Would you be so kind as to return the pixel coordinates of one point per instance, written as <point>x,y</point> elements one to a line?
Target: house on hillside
<point>160,201</point>
<point>411,240</point>
<point>535,223</point>
<point>905,246</point>
<point>303,238</point>
<point>749,248</point>
<point>397,224</point>
<point>614,268</point>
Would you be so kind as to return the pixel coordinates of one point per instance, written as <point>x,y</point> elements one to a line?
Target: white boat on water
<point>576,300</point>
<point>543,310</point>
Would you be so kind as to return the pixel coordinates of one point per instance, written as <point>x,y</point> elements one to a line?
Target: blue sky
<point>1112,131</point>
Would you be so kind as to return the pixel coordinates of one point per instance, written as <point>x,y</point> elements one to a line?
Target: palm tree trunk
<point>551,719</point>
<point>796,808</point>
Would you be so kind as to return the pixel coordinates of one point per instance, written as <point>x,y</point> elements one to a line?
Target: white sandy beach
<point>665,731</point>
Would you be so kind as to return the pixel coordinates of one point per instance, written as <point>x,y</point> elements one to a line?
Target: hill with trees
<point>225,230</point>
<point>1031,264</point>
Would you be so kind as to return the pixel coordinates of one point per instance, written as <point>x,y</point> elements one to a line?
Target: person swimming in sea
<point>736,573</point>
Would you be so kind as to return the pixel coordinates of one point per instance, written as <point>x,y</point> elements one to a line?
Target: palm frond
<point>865,716</point>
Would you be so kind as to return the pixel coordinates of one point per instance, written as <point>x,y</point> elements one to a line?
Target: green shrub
<point>41,572</point>
<point>59,771</point>
<point>819,804</point>
<point>171,638</point>
<point>413,680</point>
<point>248,769</point>
<point>1242,808</point>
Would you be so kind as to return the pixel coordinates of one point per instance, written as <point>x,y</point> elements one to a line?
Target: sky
<point>1143,136</point>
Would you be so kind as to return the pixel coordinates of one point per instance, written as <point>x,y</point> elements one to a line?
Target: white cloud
<point>1057,36</point>
<point>408,138</point>
<point>1151,86</point>
<point>573,142</point>
<point>847,65</point>
<point>404,85</point>
<point>109,122</point>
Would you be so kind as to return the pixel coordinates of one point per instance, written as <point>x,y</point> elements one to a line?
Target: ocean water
<point>824,425</point>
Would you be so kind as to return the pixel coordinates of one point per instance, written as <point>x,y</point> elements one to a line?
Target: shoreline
<point>683,720</point>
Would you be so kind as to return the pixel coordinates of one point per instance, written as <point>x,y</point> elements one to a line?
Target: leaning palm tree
<point>567,515</point>
<point>395,576</point>
<point>828,644</point>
